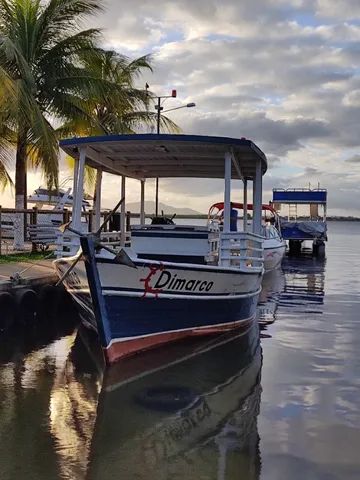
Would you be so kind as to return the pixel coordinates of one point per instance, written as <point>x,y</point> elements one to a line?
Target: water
<point>284,407</point>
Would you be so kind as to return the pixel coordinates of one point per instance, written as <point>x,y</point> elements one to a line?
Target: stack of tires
<point>24,305</point>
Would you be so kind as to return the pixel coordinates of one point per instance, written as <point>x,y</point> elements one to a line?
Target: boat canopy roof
<point>150,155</point>
<point>300,195</point>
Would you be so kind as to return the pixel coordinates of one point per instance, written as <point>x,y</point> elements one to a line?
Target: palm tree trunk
<point>20,189</point>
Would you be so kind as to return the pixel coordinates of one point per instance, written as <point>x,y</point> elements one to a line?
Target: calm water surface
<point>286,406</point>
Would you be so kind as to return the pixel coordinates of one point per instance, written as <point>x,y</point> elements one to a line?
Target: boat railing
<point>299,190</point>
<point>68,244</point>
<point>238,249</point>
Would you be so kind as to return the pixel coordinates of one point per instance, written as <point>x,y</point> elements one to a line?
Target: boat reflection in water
<point>302,292</point>
<point>188,410</point>
<point>305,282</point>
<point>273,285</point>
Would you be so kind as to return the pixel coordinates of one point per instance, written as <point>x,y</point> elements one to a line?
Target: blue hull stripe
<point>133,317</point>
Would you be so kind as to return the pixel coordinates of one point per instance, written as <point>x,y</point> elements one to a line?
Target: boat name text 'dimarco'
<point>170,281</point>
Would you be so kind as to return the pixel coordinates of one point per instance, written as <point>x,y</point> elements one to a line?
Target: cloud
<point>284,73</point>
<point>274,136</point>
<point>353,159</point>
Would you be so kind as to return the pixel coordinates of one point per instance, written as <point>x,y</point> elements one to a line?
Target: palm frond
<point>43,145</point>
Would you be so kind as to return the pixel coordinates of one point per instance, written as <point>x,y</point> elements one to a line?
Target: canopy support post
<point>97,206</point>
<point>245,192</point>
<point>75,180</point>
<point>257,199</point>
<point>227,192</point>
<point>142,203</point>
<point>157,196</point>
<point>78,189</point>
<point>123,212</point>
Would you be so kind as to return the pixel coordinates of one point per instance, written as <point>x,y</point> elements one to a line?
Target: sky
<point>283,73</point>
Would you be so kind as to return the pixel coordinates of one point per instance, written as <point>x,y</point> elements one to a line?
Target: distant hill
<point>134,207</point>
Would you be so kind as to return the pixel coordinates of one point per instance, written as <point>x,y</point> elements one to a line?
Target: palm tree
<point>44,57</point>
<point>6,135</point>
<point>123,113</point>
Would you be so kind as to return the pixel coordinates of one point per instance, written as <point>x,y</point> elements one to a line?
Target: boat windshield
<point>270,232</point>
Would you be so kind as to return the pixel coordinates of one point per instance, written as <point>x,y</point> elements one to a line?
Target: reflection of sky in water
<point>310,418</point>
<point>307,425</point>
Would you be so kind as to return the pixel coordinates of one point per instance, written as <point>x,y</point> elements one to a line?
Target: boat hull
<point>134,309</point>
<point>273,255</point>
<point>139,323</point>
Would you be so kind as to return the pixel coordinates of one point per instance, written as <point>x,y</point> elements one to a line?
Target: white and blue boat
<point>305,219</point>
<point>173,281</point>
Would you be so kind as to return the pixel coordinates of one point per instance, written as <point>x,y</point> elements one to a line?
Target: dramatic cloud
<point>284,73</point>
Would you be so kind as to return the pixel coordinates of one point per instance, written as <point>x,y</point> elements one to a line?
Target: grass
<point>25,257</point>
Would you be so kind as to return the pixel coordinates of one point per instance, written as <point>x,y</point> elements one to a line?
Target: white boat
<point>50,205</point>
<point>58,199</point>
<point>175,281</point>
<point>274,245</point>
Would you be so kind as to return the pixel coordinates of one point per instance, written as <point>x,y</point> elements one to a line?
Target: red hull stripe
<point>121,349</point>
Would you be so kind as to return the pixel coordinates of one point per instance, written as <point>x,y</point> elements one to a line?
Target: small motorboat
<point>274,245</point>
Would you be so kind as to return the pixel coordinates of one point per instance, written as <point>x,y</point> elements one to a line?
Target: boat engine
<point>163,220</point>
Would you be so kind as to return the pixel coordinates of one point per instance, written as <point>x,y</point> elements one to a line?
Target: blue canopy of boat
<point>150,155</point>
<point>300,195</point>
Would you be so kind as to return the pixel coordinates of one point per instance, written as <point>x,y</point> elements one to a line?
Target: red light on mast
<point>173,93</point>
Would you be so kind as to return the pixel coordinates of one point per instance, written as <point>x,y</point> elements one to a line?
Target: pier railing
<point>238,249</point>
<point>41,230</point>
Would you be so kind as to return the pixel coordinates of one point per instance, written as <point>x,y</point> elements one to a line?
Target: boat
<point>173,281</point>
<point>58,199</point>
<point>300,226</point>
<point>191,406</point>
<point>274,245</point>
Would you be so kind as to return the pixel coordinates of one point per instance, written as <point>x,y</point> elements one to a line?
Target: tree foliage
<point>56,81</point>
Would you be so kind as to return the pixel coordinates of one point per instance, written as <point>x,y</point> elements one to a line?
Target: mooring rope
<point>35,264</point>
<point>17,275</point>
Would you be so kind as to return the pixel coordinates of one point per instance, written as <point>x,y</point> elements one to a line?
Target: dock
<point>28,293</point>
<point>32,274</point>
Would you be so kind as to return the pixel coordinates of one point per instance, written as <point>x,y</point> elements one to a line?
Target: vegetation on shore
<point>24,257</point>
